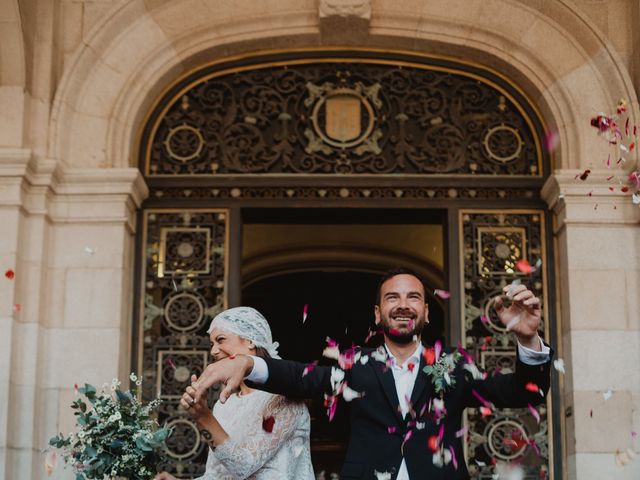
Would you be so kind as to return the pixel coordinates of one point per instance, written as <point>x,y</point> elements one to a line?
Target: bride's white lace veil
<point>247,323</point>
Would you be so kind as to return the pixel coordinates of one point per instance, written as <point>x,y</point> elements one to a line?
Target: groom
<point>404,426</point>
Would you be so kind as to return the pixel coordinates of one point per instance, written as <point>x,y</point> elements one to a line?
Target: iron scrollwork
<point>184,288</point>
<point>493,242</point>
<point>341,117</point>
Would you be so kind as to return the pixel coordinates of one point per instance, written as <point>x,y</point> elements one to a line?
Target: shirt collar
<point>415,356</point>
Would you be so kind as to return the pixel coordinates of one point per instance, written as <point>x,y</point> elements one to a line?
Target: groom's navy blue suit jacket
<point>371,446</point>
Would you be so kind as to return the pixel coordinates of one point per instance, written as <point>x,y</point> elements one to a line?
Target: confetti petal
<point>349,394</point>
<point>584,175</point>
<point>382,475</point>
<point>534,412</point>
<point>462,432</point>
<point>17,307</point>
<point>432,443</point>
<point>551,140</point>
<point>309,368</point>
<point>50,462</point>
<point>607,395</point>
<point>524,266</point>
<point>10,274</point>
<point>454,459</point>
<point>305,313</point>
<point>442,293</point>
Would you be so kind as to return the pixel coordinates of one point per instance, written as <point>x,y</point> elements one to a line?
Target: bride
<point>254,435</point>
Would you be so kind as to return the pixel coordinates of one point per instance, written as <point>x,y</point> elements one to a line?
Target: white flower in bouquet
<point>116,435</point>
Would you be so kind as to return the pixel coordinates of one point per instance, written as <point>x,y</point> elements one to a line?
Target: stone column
<point>72,249</point>
<point>598,271</point>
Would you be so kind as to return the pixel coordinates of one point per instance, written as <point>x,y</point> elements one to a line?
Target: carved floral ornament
<point>342,116</point>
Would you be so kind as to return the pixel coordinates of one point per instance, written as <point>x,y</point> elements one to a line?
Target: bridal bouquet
<point>115,437</point>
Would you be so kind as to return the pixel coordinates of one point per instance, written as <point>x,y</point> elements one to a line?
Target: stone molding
<point>345,8</point>
<point>591,201</point>
<point>70,194</point>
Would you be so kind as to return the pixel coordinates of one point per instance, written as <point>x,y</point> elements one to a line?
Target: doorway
<point>314,274</point>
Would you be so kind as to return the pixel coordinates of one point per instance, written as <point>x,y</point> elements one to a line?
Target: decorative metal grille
<point>341,116</point>
<point>492,244</point>
<point>184,287</point>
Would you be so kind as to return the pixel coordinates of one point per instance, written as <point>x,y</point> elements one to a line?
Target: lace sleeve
<point>210,473</point>
<point>242,456</point>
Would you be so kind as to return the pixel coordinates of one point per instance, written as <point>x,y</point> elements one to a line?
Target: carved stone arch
<point>106,117</point>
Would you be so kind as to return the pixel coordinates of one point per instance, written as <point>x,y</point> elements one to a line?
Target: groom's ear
<point>376,312</point>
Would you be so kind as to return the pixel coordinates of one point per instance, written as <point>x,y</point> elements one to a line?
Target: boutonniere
<point>440,366</point>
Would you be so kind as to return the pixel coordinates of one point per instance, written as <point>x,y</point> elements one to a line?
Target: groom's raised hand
<point>523,316</point>
<point>229,371</point>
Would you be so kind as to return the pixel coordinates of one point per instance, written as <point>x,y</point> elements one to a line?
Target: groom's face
<point>402,312</point>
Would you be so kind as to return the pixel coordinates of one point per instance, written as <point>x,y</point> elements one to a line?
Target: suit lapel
<point>389,386</point>
<point>422,379</point>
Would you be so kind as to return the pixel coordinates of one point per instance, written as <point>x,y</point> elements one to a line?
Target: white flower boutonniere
<point>440,366</point>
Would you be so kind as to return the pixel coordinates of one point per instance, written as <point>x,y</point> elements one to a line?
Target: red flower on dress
<point>268,423</point>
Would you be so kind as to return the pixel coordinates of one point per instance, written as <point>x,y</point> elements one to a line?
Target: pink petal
<point>462,432</point>
<point>438,348</point>
<point>441,433</point>
<point>309,368</point>
<point>484,319</point>
<point>442,293</point>
<point>634,435</point>
<point>480,398</point>
<point>534,412</point>
<point>392,429</point>
<point>454,459</point>
<point>305,312</point>
<point>551,140</point>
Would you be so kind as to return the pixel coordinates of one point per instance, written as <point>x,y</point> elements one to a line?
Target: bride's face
<point>225,344</point>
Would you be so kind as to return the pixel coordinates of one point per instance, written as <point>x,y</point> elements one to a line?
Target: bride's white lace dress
<point>251,452</point>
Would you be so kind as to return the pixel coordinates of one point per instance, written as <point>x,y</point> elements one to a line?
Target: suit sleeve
<point>285,378</point>
<point>509,390</point>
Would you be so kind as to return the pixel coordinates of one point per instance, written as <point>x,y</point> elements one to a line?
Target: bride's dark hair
<point>262,352</point>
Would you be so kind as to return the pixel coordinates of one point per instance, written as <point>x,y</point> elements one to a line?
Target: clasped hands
<point>229,371</point>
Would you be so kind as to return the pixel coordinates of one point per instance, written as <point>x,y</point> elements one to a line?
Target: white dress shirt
<point>405,378</point>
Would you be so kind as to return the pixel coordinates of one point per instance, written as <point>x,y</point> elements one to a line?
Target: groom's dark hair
<point>262,352</point>
<point>392,273</point>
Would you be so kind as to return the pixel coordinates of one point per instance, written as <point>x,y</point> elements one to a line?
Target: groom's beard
<point>402,335</point>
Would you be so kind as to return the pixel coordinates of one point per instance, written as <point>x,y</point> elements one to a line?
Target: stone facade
<point>77,78</point>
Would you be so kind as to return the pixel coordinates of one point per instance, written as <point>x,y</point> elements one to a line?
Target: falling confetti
<point>17,307</point>
<point>50,462</point>
<point>584,175</point>
<point>524,266</point>
<point>442,293</point>
<point>551,140</point>
<point>559,365</point>
<point>607,395</point>
<point>534,412</point>
<point>382,475</point>
<point>624,458</point>
<point>462,432</point>
<point>89,251</point>
<point>305,313</point>
<point>10,274</point>
<point>309,368</point>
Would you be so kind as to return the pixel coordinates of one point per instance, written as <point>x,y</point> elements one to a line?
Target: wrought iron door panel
<point>184,278</point>
<point>491,244</point>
